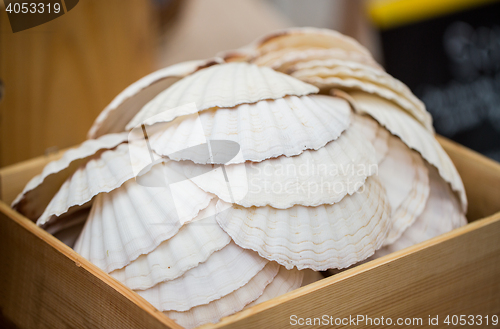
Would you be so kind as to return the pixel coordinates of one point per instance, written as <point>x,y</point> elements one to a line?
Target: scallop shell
<point>412,134</point>
<point>192,245</point>
<point>224,271</point>
<point>263,130</point>
<point>133,220</point>
<point>229,304</point>
<point>441,214</point>
<point>312,178</point>
<point>225,85</point>
<point>407,101</point>
<point>332,68</point>
<point>285,60</point>
<point>126,105</point>
<point>308,37</point>
<point>102,173</point>
<point>285,281</point>
<point>323,237</point>
<point>406,181</point>
<point>377,135</point>
<point>39,191</point>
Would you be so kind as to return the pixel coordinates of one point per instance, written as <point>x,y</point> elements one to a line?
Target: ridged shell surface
<point>41,188</point>
<point>312,178</point>
<point>406,181</point>
<point>126,105</point>
<point>263,130</point>
<point>412,134</point>
<point>102,173</point>
<point>285,281</point>
<point>323,237</point>
<point>285,60</point>
<point>307,37</point>
<point>377,135</point>
<point>223,272</point>
<point>225,85</point>
<point>133,220</point>
<point>192,245</point>
<point>372,88</point>
<point>441,214</point>
<point>229,304</point>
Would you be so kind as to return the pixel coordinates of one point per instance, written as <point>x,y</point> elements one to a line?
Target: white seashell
<point>133,220</point>
<point>284,60</point>
<point>406,181</point>
<point>102,173</point>
<point>41,188</point>
<point>307,37</point>
<point>229,304</point>
<point>323,237</point>
<point>225,85</point>
<point>192,245</point>
<point>442,214</point>
<point>126,105</point>
<point>377,135</point>
<point>412,134</point>
<point>285,281</point>
<point>408,102</point>
<point>263,130</point>
<point>312,178</point>
<point>224,271</point>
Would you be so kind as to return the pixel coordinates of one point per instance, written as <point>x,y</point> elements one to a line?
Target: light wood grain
<point>46,284</point>
<point>59,75</point>
<point>456,273</point>
<point>481,177</point>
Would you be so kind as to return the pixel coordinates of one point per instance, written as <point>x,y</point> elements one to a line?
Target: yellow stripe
<point>392,13</point>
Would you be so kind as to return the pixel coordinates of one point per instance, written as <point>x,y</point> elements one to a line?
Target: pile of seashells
<point>210,186</point>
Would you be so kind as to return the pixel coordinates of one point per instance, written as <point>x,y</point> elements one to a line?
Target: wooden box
<point>43,283</point>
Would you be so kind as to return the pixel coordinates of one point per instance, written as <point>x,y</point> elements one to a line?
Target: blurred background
<point>55,78</point>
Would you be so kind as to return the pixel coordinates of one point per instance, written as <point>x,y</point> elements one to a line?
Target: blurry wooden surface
<point>58,76</point>
<point>45,284</point>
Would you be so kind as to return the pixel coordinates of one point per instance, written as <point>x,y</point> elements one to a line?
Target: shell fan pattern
<point>211,186</point>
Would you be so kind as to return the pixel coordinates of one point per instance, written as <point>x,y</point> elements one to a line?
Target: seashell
<point>126,105</point>
<point>192,245</point>
<point>40,189</point>
<point>285,60</point>
<point>408,102</point>
<point>102,173</point>
<point>285,281</point>
<point>225,85</point>
<point>224,271</point>
<point>263,130</point>
<point>307,37</point>
<point>441,214</point>
<point>406,181</point>
<point>413,135</point>
<point>323,237</point>
<point>133,220</point>
<point>229,304</point>
<point>377,135</point>
<point>312,178</point>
